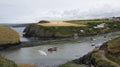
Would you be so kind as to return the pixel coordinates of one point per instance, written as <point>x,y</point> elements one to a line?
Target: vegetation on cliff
<point>60,29</point>
<point>112,49</point>
<point>8,36</point>
<point>91,23</point>
<point>113,46</point>
<point>53,29</point>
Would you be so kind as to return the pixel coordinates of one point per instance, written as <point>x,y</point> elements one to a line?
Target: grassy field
<point>8,36</point>
<point>100,20</point>
<point>59,23</point>
<point>73,22</point>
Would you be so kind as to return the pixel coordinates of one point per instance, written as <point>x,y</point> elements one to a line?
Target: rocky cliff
<point>65,29</point>
<point>51,31</point>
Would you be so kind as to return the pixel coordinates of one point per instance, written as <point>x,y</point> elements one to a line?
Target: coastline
<point>33,43</point>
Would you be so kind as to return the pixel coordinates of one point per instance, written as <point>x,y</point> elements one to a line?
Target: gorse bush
<point>43,21</point>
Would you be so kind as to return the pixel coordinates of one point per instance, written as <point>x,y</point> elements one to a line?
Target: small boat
<point>52,49</point>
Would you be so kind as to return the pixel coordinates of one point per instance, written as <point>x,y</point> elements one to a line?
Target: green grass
<point>8,36</point>
<point>6,63</point>
<point>113,58</point>
<point>114,46</point>
<point>89,21</point>
<point>101,62</point>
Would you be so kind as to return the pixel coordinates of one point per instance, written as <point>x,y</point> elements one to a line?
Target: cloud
<point>27,11</point>
<point>104,11</point>
<point>101,12</point>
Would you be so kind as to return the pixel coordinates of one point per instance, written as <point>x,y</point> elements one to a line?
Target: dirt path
<point>105,58</point>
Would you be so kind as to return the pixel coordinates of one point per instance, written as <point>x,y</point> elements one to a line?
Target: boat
<point>52,49</point>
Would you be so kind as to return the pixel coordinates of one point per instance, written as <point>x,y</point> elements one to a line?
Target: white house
<point>102,25</point>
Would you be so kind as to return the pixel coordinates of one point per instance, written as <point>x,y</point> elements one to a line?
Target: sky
<point>31,11</point>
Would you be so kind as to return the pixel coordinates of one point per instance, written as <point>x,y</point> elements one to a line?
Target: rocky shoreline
<point>100,57</point>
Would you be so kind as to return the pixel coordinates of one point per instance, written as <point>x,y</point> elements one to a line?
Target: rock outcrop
<point>39,31</point>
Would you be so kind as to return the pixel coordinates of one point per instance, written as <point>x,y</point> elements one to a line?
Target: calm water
<point>20,30</point>
<point>65,52</point>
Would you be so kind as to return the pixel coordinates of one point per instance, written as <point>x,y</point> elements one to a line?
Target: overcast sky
<point>28,11</point>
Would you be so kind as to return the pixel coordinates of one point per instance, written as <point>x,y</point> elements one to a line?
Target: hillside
<point>52,29</point>
<point>112,50</point>
<point>8,36</point>
<point>106,56</point>
<point>71,28</point>
<point>6,63</point>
